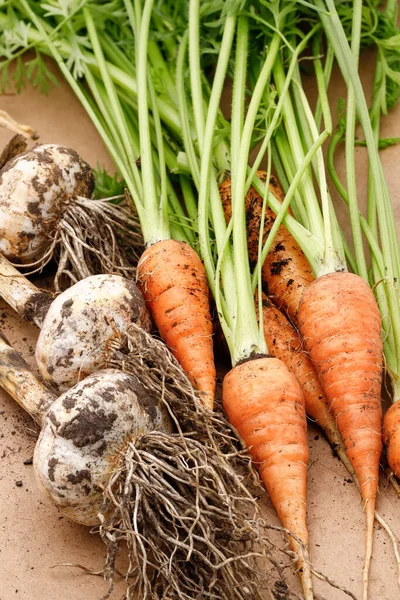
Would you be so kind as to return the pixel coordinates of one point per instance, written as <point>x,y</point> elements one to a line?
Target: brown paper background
<point>34,538</point>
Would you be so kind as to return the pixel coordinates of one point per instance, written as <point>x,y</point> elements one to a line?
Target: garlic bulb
<point>84,433</point>
<point>83,323</point>
<point>35,188</point>
<point>46,212</point>
<point>80,326</point>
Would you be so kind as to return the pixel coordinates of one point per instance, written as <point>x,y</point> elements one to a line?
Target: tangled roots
<point>92,237</point>
<point>184,502</point>
<point>95,236</point>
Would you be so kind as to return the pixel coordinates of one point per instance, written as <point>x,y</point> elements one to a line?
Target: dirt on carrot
<point>173,281</point>
<point>286,272</point>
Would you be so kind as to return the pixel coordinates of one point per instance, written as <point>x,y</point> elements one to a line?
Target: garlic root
<point>177,499</point>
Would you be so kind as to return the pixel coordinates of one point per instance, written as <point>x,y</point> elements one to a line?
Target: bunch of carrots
<point>307,323</point>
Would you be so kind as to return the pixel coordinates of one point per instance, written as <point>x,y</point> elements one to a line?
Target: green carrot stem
<point>224,315</point>
<point>376,252</point>
<point>375,123</point>
<point>323,110</point>
<point>169,42</point>
<point>120,122</point>
<point>329,60</point>
<point>180,228</point>
<point>104,109</point>
<point>163,73</point>
<point>323,103</point>
<point>259,265</point>
<point>208,184</point>
<point>155,225</point>
<point>104,104</point>
<point>132,122</point>
<point>306,185</point>
<point>333,253</point>
<point>184,112</point>
<point>159,139</point>
<point>195,71</point>
<point>284,156</point>
<point>246,326</point>
<point>238,95</point>
<point>116,56</point>
<point>281,174</point>
<point>378,269</point>
<point>246,336</point>
<point>189,199</point>
<point>349,149</point>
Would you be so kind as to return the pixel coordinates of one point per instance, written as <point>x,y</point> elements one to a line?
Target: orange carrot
<point>284,342</point>
<point>341,328</point>
<point>285,272</point>
<point>174,284</point>
<point>265,404</point>
<point>391,437</point>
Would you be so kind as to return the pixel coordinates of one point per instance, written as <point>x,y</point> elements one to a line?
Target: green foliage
<point>382,142</point>
<point>379,29</point>
<point>59,8</point>
<point>65,17</point>
<point>388,41</point>
<point>106,185</point>
<point>35,71</point>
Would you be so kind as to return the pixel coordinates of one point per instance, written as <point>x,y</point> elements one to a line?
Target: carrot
<point>391,437</point>
<point>284,342</point>
<point>341,327</point>
<point>286,272</point>
<point>265,404</point>
<point>174,284</point>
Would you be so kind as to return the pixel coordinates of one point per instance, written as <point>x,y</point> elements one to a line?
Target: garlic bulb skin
<point>34,189</point>
<point>82,322</point>
<point>83,435</point>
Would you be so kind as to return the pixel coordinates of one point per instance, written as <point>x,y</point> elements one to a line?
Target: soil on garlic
<point>83,324</point>
<point>84,433</point>
<point>46,212</point>
<point>35,187</point>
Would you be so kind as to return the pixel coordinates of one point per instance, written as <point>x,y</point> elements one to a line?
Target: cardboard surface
<point>34,539</point>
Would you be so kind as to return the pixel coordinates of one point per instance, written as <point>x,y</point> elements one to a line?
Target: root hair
<point>92,237</point>
<point>184,503</point>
